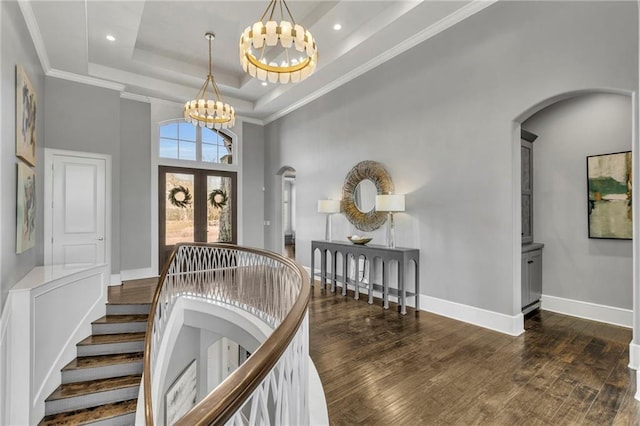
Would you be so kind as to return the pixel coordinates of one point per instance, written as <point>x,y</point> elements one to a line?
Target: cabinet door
<point>526,180</point>
<point>525,280</point>
<point>535,275</point>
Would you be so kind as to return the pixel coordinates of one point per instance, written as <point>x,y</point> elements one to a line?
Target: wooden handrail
<point>227,398</point>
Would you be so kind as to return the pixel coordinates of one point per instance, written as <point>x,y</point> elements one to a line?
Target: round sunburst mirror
<point>366,180</point>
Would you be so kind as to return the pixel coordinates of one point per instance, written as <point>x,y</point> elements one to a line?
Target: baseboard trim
<point>634,356</point>
<point>587,310</point>
<point>115,279</point>
<point>507,324</point>
<point>136,274</point>
<point>512,325</point>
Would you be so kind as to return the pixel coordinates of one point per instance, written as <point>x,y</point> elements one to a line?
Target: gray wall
<point>576,267</point>
<point>253,184</point>
<point>135,190</point>
<point>440,117</point>
<point>87,119</point>
<point>185,350</point>
<point>16,48</point>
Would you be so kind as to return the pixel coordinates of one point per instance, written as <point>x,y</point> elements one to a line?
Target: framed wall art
<point>26,208</point>
<point>181,395</point>
<point>609,203</point>
<point>26,108</point>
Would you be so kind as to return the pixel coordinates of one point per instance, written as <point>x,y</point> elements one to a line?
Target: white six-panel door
<point>77,231</point>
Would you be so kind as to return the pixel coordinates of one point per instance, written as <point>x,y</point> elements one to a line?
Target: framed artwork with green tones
<point>609,206</point>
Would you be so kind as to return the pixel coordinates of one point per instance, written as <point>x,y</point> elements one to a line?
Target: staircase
<point>100,386</point>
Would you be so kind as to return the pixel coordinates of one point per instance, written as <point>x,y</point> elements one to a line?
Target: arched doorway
<point>629,317</point>
<point>288,190</point>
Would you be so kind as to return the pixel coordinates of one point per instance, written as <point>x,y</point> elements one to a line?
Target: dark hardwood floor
<point>134,291</point>
<point>380,368</point>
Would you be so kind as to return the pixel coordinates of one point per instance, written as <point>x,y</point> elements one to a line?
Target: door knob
<point>100,238</point>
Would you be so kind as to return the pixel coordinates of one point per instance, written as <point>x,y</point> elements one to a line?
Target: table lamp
<point>390,203</point>
<point>328,207</point>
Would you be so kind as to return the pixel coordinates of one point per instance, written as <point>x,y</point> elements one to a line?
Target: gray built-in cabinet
<point>531,276</point>
<point>531,252</point>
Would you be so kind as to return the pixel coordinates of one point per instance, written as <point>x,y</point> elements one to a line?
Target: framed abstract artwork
<point>26,109</point>
<point>26,208</point>
<point>181,395</point>
<point>609,201</point>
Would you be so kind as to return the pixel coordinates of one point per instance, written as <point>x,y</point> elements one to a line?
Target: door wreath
<point>218,198</point>
<point>180,197</point>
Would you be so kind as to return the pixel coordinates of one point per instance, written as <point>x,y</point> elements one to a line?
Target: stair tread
<point>82,416</point>
<point>116,319</point>
<point>103,339</point>
<point>103,360</point>
<point>70,390</point>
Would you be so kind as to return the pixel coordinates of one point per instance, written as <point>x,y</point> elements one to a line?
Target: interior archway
<point>287,177</point>
<point>516,133</point>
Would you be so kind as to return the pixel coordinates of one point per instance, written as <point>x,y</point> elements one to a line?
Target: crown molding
<point>450,20</point>
<point>91,81</point>
<point>34,32</point>
<point>135,97</point>
<point>250,120</point>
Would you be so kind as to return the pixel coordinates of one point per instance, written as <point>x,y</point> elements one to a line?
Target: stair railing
<point>271,387</point>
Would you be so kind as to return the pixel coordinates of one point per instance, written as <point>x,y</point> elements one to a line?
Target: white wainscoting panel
<point>5,368</point>
<point>51,310</point>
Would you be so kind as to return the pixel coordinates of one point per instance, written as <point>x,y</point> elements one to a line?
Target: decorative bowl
<point>358,239</point>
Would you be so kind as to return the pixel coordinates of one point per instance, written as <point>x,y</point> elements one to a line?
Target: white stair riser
<point>90,400</point>
<point>127,419</point>
<point>121,309</point>
<point>117,328</point>
<point>104,372</point>
<point>111,348</point>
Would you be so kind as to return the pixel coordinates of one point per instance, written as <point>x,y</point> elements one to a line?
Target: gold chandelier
<point>212,112</point>
<point>262,37</point>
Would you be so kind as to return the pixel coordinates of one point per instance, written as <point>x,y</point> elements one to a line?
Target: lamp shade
<point>390,203</point>
<point>328,206</point>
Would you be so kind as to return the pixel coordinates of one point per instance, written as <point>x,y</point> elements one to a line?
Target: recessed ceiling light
<point>264,83</point>
<point>337,27</point>
<point>111,38</point>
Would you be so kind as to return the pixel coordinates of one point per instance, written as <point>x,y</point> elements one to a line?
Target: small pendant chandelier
<point>285,65</point>
<point>211,112</point>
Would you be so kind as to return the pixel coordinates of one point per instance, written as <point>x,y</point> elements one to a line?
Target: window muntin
<point>183,141</point>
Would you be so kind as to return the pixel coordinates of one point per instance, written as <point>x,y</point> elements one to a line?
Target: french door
<point>195,206</point>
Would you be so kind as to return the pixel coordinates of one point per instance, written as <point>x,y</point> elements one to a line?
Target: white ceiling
<point>160,50</point>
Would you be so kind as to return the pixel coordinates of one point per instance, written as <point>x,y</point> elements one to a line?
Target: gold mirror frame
<point>376,173</point>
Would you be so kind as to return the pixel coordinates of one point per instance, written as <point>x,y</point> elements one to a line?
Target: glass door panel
<point>179,214</point>
<point>219,209</point>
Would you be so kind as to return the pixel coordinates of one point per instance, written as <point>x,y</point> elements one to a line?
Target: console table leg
<point>385,285</point>
<point>313,268</point>
<point>345,276</point>
<point>403,292</point>
<point>323,269</point>
<point>417,288</point>
<point>372,273</point>
<point>334,264</point>
<point>356,289</point>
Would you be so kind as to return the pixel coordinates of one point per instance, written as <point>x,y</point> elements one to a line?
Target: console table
<point>403,256</point>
